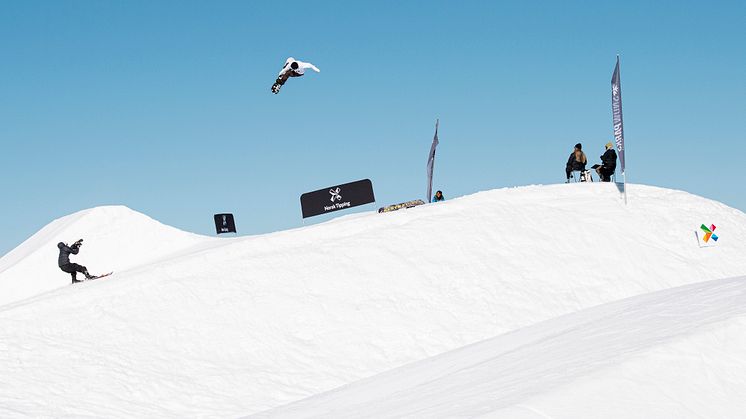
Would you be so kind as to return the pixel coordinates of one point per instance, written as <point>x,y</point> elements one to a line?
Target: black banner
<point>224,223</point>
<point>337,197</point>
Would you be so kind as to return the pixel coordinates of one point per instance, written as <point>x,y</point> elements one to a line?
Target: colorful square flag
<point>709,233</point>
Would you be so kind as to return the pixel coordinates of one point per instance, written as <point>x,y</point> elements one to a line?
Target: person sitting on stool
<point>576,161</point>
<point>608,163</point>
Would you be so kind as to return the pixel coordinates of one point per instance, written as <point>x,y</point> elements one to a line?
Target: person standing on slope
<point>292,68</point>
<point>64,260</point>
<point>576,162</point>
<point>438,197</point>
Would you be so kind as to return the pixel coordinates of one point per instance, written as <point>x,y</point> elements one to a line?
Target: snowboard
<point>408,204</point>
<point>278,83</point>
<point>97,277</point>
<point>282,79</point>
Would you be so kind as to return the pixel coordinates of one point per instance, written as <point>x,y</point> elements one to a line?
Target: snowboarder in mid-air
<point>292,68</point>
<point>64,260</point>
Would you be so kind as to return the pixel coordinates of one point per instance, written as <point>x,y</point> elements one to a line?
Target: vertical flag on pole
<point>616,110</point>
<point>431,163</point>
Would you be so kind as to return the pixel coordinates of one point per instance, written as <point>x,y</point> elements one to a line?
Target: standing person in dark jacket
<point>576,161</point>
<point>608,163</point>
<point>64,260</point>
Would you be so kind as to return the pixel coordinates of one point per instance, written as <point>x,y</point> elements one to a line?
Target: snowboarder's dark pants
<point>72,268</point>
<point>283,78</point>
<point>605,174</point>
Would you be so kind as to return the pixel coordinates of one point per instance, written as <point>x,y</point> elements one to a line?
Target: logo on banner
<point>709,233</point>
<point>335,195</point>
<point>615,90</point>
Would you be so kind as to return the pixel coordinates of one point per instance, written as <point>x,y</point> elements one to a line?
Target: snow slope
<point>115,238</point>
<point>676,353</point>
<point>228,327</point>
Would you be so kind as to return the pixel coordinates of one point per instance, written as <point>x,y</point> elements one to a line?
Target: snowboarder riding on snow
<point>64,260</point>
<point>292,68</point>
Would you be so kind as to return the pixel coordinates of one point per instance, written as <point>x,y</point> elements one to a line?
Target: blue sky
<point>165,106</point>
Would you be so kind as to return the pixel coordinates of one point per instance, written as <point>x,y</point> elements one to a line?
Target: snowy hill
<point>676,353</point>
<point>115,238</point>
<point>198,326</point>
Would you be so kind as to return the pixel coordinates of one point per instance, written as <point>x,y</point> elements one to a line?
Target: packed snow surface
<point>677,353</point>
<point>199,326</point>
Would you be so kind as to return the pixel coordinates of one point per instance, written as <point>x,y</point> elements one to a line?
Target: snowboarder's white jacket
<point>301,68</point>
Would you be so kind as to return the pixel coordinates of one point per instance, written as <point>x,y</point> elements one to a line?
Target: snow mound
<point>115,238</point>
<point>676,353</point>
<point>230,327</point>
